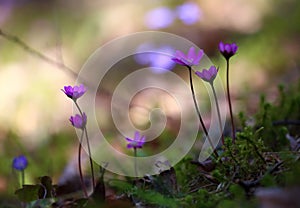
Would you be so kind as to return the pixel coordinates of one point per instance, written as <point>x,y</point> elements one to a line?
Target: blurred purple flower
<point>227,49</point>
<point>77,121</point>
<point>74,92</point>
<point>208,75</point>
<point>137,142</point>
<point>159,18</point>
<point>157,58</point>
<point>142,56</point>
<point>192,58</point>
<point>189,13</point>
<point>20,163</point>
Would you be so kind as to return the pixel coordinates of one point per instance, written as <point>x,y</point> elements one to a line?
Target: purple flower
<point>208,75</point>
<point>227,49</point>
<point>74,92</point>
<point>189,13</point>
<point>78,121</point>
<point>20,163</point>
<point>192,58</point>
<point>159,18</point>
<point>157,57</point>
<point>137,142</point>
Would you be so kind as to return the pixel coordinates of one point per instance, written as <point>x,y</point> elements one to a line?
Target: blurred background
<point>34,112</point>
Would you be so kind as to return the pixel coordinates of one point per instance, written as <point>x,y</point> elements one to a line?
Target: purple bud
<point>227,49</point>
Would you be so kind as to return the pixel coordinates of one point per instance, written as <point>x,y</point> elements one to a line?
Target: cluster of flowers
<point>193,58</point>
<point>188,60</point>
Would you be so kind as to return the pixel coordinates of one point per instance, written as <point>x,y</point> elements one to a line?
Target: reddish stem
<point>198,112</point>
<point>229,102</point>
<point>88,144</point>
<point>218,112</point>
<point>80,168</point>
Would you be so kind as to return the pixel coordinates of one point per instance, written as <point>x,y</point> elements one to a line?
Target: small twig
<point>248,184</point>
<point>38,54</point>
<point>286,122</point>
<point>201,187</point>
<point>59,65</point>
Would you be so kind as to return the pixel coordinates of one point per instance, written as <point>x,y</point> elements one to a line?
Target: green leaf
<point>47,187</point>
<point>28,193</point>
<point>44,203</point>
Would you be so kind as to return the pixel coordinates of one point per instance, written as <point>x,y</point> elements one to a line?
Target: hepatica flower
<point>189,13</point>
<point>78,121</point>
<point>192,58</point>
<point>208,75</point>
<point>74,92</point>
<point>20,163</point>
<point>159,18</point>
<point>137,142</point>
<point>227,49</point>
<point>157,57</point>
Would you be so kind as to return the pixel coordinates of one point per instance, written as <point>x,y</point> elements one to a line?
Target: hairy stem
<point>22,178</point>
<point>198,112</point>
<point>218,112</point>
<point>90,158</point>
<point>229,101</point>
<point>88,144</point>
<point>135,162</point>
<point>80,168</point>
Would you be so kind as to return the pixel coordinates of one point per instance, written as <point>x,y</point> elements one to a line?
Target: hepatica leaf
<point>28,193</point>
<point>46,188</point>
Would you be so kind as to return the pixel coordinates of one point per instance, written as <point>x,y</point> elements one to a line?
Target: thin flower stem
<point>198,112</point>
<point>218,112</point>
<point>22,178</point>
<point>78,108</point>
<point>91,161</point>
<point>229,101</point>
<point>80,168</point>
<point>135,162</point>
<point>88,144</point>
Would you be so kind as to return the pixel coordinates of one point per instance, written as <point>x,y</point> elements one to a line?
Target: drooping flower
<point>20,163</point>
<point>74,92</point>
<point>137,142</point>
<point>78,121</point>
<point>208,75</point>
<point>190,59</point>
<point>227,49</point>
